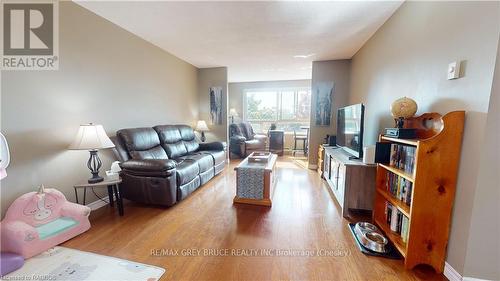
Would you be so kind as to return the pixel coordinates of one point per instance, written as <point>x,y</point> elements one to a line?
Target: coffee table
<point>255,182</point>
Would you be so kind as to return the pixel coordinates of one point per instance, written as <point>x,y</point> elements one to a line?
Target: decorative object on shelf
<point>202,127</point>
<point>233,113</point>
<point>273,126</point>
<point>414,176</point>
<point>4,156</point>
<point>401,109</point>
<point>92,137</point>
<point>324,92</point>
<point>216,105</point>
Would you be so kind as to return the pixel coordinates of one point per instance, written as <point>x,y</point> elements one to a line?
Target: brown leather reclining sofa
<point>164,164</point>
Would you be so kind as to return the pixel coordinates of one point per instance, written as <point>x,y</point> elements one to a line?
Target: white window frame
<point>279,90</point>
<point>278,102</point>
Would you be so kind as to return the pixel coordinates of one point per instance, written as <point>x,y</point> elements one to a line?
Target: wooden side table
<point>113,187</point>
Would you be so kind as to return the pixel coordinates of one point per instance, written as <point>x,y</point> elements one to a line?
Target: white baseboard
<point>451,273</point>
<point>312,166</point>
<point>97,204</point>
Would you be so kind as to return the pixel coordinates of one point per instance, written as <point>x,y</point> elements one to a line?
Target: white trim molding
<point>451,273</point>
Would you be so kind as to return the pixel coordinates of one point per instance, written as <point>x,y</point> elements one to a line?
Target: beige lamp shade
<point>91,137</point>
<point>201,126</point>
<point>233,112</point>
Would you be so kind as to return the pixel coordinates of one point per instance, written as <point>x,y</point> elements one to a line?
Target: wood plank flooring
<point>303,218</point>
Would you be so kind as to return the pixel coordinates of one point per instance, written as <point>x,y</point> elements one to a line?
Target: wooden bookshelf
<point>437,155</point>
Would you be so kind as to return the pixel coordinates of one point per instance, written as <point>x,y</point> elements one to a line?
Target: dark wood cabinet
<point>352,182</point>
<point>276,141</point>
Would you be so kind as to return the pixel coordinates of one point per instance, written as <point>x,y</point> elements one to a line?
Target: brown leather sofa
<point>164,164</point>
<point>243,140</point>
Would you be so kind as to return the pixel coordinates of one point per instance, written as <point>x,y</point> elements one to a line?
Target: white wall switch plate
<point>454,70</point>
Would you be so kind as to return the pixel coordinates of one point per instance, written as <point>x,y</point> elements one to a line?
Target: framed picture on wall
<point>216,105</point>
<point>323,105</point>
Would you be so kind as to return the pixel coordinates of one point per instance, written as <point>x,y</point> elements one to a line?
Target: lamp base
<point>94,164</point>
<point>203,137</point>
<point>95,179</point>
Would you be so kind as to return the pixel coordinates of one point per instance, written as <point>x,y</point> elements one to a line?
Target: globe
<point>403,108</point>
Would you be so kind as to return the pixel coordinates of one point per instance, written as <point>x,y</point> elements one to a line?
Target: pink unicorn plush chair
<point>38,221</point>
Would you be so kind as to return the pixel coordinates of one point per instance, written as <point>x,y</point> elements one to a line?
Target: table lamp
<point>233,113</point>
<point>202,127</point>
<point>92,137</point>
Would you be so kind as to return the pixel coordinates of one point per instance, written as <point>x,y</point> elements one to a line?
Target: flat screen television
<point>350,129</point>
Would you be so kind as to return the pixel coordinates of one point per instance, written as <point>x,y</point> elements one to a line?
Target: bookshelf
<point>424,194</point>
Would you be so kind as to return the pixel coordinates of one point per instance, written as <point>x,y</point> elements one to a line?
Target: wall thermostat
<point>454,70</point>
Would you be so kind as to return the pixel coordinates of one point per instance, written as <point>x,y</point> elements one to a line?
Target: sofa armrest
<point>75,211</point>
<point>217,146</point>
<point>149,167</point>
<point>260,138</point>
<point>237,139</point>
<point>15,230</point>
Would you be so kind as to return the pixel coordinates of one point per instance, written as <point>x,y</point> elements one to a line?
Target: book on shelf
<point>399,187</point>
<point>397,221</point>
<point>403,157</point>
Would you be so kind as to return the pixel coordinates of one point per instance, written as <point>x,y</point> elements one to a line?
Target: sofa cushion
<point>186,171</point>
<point>55,227</point>
<point>205,161</point>
<point>171,140</point>
<point>247,129</point>
<point>188,138</point>
<point>142,143</point>
<point>235,130</point>
<point>218,156</point>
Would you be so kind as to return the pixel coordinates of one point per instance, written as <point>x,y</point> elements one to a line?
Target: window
<point>289,109</point>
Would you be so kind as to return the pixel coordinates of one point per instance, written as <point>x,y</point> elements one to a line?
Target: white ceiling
<point>257,41</point>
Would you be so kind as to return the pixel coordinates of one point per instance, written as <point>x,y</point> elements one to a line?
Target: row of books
<point>399,187</point>
<point>403,157</point>
<point>398,222</point>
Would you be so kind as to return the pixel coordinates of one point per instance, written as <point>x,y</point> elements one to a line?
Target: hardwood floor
<point>304,217</point>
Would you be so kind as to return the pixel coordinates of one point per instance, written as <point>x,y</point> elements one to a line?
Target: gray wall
<point>408,56</point>
<point>483,249</point>
<point>213,77</point>
<point>106,76</point>
<point>337,71</point>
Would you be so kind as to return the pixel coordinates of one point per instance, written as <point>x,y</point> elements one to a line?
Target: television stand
<point>351,181</point>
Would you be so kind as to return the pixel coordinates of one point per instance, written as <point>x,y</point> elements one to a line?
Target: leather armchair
<point>243,140</point>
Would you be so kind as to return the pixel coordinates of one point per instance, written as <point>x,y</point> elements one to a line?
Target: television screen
<point>350,129</point>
